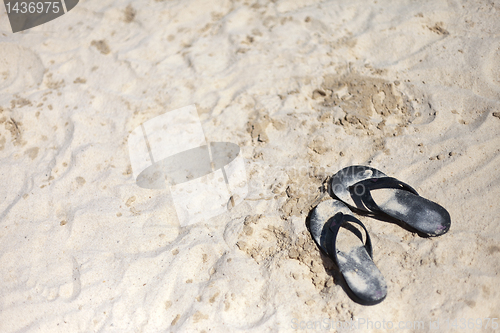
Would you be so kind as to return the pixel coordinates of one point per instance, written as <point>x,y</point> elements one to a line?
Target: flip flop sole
<point>416,211</point>
<point>365,283</point>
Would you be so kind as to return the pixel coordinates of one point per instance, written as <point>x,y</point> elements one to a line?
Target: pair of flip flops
<point>338,233</point>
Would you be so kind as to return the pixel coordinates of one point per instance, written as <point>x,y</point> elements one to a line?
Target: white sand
<point>304,88</point>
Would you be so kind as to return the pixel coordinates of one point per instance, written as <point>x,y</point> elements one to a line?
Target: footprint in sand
<point>20,69</point>
<point>58,279</point>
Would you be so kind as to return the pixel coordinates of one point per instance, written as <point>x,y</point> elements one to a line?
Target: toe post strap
<point>339,220</point>
<point>360,191</point>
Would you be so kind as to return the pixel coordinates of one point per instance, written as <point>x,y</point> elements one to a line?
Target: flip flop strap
<point>361,191</point>
<point>337,221</point>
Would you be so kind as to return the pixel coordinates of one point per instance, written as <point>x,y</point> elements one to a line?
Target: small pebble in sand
<point>293,254</point>
<point>318,94</point>
<point>438,157</point>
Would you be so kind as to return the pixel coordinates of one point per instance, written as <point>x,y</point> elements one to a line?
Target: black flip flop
<point>331,225</point>
<point>356,185</point>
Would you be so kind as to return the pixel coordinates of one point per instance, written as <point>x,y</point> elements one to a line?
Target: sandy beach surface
<point>304,88</point>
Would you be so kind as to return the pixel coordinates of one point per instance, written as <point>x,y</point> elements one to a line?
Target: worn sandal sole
<point>333,228</point>
<point>372,191</point>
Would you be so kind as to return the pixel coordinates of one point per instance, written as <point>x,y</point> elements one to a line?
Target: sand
<point>304,88</point>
